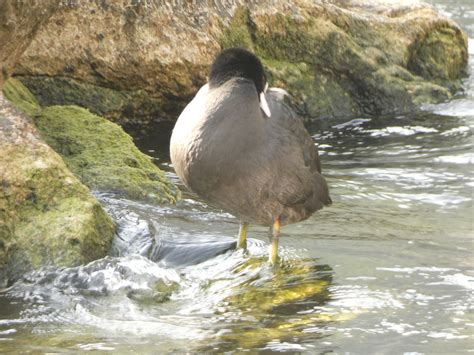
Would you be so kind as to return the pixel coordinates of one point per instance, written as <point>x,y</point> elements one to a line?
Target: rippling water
<point>388,268</point>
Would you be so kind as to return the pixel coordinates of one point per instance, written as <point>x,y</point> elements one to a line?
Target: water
<point>387,269</point>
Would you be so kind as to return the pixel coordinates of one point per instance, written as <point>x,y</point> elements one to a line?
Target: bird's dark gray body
<point>257,168</point>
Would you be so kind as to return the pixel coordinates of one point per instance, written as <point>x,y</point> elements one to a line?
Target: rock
<point>47,217</point>
<point>141,61</point>
<point>19,22</point>
<point>96,150</point>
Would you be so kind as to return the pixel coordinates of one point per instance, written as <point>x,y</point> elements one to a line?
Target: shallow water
<point>388,268</point>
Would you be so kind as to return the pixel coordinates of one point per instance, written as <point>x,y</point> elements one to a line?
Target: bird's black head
<point>237,63</point>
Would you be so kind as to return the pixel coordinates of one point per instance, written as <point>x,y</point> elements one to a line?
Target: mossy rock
<point>439,54</point>
<point>47,217</point>
<point>23,99</point>
<point>57,221</point>
<point>96,150</point>
<point>102,155</point>
<point>337,65</point>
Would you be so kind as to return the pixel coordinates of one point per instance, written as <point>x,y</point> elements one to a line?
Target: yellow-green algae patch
<point>98,151</point>
<point>296,282</point>
<point>278,304</point>
<point>21,97</point>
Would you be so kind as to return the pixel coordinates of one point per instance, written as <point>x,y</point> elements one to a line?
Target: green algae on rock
<point>22,98</point>
<point>97,151</point>
<point>47,217</point>
<point>347,61</point>
<point>268,297</point>
<point>102,155</point>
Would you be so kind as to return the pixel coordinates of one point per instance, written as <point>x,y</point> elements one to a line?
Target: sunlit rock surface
<point>139,62</point>
<point>19,23</point>
<point>47,217</point>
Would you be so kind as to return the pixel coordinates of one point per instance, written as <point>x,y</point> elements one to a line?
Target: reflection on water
<point>388,268</point>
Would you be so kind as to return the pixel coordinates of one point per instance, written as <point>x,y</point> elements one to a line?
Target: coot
<point>243,149</point>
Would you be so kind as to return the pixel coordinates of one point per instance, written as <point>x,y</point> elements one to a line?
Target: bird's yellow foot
<point>242,241</point>
<point>275,238</point>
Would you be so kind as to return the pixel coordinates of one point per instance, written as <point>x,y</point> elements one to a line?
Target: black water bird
<point>241,147</point>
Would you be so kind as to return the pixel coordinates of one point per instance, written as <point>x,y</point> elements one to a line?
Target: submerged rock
<point>97,151</point>
<point>142,61</point>
<point>47,217</point>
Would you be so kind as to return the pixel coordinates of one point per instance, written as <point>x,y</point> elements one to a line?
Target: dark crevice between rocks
<point>131,109</point>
